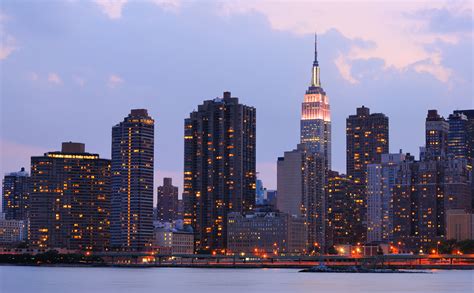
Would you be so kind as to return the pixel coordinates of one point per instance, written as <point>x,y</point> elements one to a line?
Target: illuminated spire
<point>315,81</point>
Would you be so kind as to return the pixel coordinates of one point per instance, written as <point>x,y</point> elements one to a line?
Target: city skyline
<point>274,54</point>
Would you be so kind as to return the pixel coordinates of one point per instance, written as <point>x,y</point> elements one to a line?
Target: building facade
<point>16,195</point>
<point>70,199</point>
<point>132,182</point>
<point>13,232</point>
<point>219,168</point>
<point>167,201</point>
<point>266,233</point>
<point>315,126</point>
<point>367,138</point>
<point>459,225</point>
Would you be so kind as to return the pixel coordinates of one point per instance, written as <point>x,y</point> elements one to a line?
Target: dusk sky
<point>70,70</point>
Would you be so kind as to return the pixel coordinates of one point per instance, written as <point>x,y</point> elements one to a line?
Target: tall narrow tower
<point>131,217</point>
<point>316,115</point>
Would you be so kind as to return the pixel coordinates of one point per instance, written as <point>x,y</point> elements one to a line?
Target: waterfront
<point>19,279</point>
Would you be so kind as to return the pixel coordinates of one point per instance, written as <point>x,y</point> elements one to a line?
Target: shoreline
<point>236,266</point>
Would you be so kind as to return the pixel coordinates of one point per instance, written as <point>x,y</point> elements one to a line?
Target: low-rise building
<point>173,241</point>
<point>266,232</point>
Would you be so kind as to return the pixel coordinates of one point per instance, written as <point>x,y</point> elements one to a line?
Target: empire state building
<point>316,115</point>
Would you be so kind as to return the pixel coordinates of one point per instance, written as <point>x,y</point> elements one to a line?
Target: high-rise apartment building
<point>70,199</point>
<point>132,182</point>
<point>315,124</point>
<point>167,201</point>
<point>219,168</point>
<point>16,195</point>
<point>367,138</point>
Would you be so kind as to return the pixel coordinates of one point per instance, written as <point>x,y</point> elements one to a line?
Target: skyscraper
<point>167,201</point>
<point>366,141</point>
<point>436,135</point>
<point>469,132</point>
<point>301,182</point>
<point>290,181</point>
<point>16,195</point>
<point>219,168</point>
<point>458,142</point>
<point>316,115</point>
<point>132,182</point>
<point>381,180</point>
<point>70,199</point>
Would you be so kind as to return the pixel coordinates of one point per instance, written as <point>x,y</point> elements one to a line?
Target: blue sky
<point>70,70</point>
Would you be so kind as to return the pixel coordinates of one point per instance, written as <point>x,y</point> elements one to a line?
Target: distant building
<point>381,180</point>
<point>167,201</point>
<point>13,232</point>
<point>458,135</point>
<point>180,211</point>
<point>340,210</point>
<point>219,168</point>
<point>436,135</point>
<point>266,232</point>
<point>271,198</point>
<point>173,241</point>
<point>315,127</point>
<point>469,127</point>
<point>367,138</point>
<point>260,193</point>
<point>459,225</point>
<point>133,150</point>
<point>70,199</point>
<point>16,195</point>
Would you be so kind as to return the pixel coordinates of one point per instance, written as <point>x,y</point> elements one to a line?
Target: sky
<point>70,70</point>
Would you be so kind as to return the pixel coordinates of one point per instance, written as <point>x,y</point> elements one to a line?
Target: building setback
<point>132,182</point>
<point>70,199</point>
<point>367,138</point>
<point>219,168</point>
<point>16,195</point>
<point>167,201</point>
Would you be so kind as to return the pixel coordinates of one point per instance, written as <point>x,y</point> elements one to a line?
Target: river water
<point>127,280</point>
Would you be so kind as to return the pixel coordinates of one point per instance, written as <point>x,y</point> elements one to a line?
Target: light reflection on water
<point>117,280</point>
